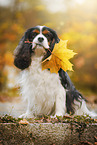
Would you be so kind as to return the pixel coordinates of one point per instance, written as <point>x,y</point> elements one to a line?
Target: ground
<point>77,130</point>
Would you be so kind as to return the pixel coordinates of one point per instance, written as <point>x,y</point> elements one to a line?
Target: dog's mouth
<point>40,45</point>
<point>39,50</point>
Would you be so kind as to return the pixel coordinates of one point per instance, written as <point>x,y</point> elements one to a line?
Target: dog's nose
<point>40,39</point>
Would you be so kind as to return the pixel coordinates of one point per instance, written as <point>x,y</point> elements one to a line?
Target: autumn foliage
<point>59,58</point>
<point>77,24</point>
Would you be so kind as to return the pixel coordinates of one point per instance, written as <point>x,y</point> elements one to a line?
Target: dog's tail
<point>75,102</point>
<point>83,110</point>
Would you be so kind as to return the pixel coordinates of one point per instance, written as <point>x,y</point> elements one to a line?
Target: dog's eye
<point>34,34</point>
<point>47,35</point>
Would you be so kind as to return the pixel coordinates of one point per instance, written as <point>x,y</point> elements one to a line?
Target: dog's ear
<point>54,35</point>
<point>22,53</point>
<point>22,41</point>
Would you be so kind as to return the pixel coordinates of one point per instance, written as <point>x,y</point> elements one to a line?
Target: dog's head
<point>40,37</point>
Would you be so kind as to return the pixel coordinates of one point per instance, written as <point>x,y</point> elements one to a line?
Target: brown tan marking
<point>36,31</point>
<point>45,32</point>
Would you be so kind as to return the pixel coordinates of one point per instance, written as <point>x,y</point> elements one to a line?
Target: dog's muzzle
<point>40,40</point>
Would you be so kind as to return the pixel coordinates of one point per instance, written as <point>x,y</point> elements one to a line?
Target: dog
<point>46,93</point>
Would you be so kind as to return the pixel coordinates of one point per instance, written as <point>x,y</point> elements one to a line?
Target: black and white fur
<point>46,93</point>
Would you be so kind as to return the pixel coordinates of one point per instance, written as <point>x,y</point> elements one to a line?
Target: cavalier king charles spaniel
<point>45,92</point>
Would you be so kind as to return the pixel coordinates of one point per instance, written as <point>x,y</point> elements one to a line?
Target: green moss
<point>47,119</point>
<point>9,119</point>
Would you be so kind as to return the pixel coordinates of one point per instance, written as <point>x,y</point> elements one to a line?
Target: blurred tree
<point>77,23</point>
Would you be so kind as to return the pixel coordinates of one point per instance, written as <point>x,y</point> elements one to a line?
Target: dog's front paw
<point>57,114</point>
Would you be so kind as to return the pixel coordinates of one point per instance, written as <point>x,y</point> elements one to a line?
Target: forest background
<point>73,20</point>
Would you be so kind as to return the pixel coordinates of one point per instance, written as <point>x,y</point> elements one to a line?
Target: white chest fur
<point>42,90</point>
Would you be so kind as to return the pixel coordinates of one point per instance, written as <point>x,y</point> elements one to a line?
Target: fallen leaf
<point>59,58</point>
<point>84,143</point>
<point>95,120</point>
<point>24,121</point>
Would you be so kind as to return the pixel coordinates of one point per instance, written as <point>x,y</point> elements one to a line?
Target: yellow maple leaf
<point>59,58</point>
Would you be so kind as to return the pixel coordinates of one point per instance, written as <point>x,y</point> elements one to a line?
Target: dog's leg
<point>29,112</point>
<point>60,104</point>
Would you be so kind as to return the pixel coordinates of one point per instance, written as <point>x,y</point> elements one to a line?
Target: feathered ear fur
<point>55,38</point>
<point>22,53</point>
<point>54,35</point>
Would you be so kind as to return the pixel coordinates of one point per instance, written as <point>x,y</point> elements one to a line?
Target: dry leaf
<point>95,120</point>
<point>59,58</point>
<point>24,121</point>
